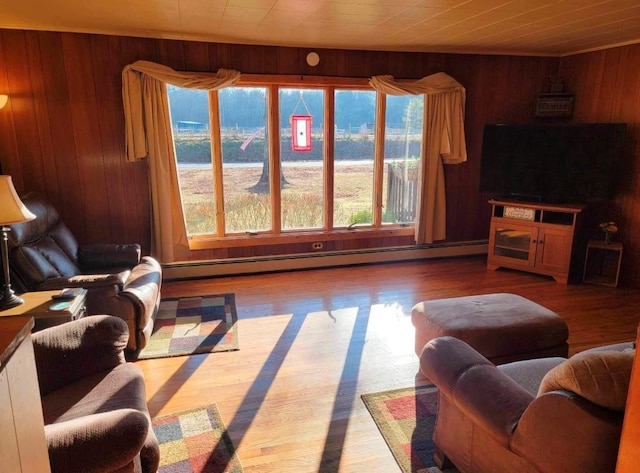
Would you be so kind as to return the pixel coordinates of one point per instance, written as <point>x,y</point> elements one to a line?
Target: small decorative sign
<point>301,132</point>
<point>554,105</point>
<point>520,213</point>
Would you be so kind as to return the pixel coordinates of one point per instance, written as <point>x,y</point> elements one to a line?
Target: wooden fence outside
<point>402,187</point>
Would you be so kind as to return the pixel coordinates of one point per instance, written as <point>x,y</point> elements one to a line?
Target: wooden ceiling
<point>523,27</point>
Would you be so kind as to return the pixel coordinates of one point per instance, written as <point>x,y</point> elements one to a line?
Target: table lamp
<point>12,210</point>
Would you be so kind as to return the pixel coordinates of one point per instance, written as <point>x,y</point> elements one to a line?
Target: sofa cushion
<point>601,377</point>
<point>121,387</point>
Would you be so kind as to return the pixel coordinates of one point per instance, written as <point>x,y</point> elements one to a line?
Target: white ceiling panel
<point>533,27</point>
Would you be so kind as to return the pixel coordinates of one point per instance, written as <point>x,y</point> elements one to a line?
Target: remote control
<point>63,296</point>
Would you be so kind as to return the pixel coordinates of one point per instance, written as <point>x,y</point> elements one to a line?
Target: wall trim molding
<point>237,266</point>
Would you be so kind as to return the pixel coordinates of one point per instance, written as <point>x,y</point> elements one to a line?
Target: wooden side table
<point>23,446</point>
<point>48,312</point>
<point>602,263</point>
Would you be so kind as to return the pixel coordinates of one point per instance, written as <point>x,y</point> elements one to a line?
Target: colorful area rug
<point>192,325</point>
<point>406,418</point>
<point>195,441</point>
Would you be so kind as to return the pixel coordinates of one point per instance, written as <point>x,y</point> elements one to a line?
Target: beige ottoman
<point>502,327</point>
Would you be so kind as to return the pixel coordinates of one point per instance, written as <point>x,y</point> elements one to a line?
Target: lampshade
<point>12,209</point>
<point>3,100</point>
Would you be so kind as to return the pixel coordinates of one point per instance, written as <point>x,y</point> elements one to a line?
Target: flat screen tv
<point>553,163</point>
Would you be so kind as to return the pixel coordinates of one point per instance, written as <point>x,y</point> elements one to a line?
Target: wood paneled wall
<point>62,131</point>
<point>607,89</point>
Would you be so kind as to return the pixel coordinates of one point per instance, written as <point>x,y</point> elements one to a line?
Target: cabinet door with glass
<point>512,244</point>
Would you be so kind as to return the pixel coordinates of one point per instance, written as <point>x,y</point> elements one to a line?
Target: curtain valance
<point>133,77</point>
<point>433,84</point>
<point>453,147</point>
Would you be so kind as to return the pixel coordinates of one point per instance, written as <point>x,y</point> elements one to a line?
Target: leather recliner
<point>44,255</point>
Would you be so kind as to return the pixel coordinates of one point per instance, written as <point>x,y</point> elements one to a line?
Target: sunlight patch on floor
<point>390,325</point>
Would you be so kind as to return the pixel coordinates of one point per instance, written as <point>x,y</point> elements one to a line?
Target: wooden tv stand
<point>532,237</point>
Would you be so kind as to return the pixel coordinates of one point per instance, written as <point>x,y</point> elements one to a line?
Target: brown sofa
<point>44,255</point>
<point>545,415</point>
<point>94,403</point>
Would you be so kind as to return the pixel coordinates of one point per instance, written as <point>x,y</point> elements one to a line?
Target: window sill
<point>204,242</point>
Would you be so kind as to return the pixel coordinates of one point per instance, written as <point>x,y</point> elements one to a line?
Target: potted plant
<point>609,229</point>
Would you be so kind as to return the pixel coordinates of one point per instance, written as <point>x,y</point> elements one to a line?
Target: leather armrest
<point>83,280</point>
<point>104,442</point>
<point>92,257</point>
<point>493,400</point>
<point>71,351</point>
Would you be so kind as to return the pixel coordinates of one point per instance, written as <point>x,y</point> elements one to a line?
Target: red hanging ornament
<point>301,132</point>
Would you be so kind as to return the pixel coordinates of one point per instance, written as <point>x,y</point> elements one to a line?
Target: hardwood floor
<point>311,342</point>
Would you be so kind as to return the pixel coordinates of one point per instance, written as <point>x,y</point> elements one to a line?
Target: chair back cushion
<point>42,248</point>
<point>601,377</point>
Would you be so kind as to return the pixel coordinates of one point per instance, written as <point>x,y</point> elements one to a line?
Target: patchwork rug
<point>190,325</point>
<point>195,441</point>
<point>406,418</point>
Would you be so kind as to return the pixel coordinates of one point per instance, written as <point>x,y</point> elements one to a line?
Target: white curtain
<point>443,141</point>
<point>148,134</point>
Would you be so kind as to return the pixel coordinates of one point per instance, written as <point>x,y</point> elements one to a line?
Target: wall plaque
<point>554,105</point>
<point>520,213</point>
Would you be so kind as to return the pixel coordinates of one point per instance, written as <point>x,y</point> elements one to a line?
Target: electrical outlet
<point>318,245</point>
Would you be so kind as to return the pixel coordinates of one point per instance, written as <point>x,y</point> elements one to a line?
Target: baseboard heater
<point>236,266</point>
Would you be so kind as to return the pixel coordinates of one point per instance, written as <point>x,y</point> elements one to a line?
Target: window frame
<point>277,235</point>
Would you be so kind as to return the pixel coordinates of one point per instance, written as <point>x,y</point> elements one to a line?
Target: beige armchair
<point>546,415</point>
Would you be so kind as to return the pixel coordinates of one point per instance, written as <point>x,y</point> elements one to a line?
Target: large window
<point>286,159</point>
<point>354,145</point>
<point>403,143</point>
<point>301,158</point>
<point>245,159</point>
<point>192,141</point>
